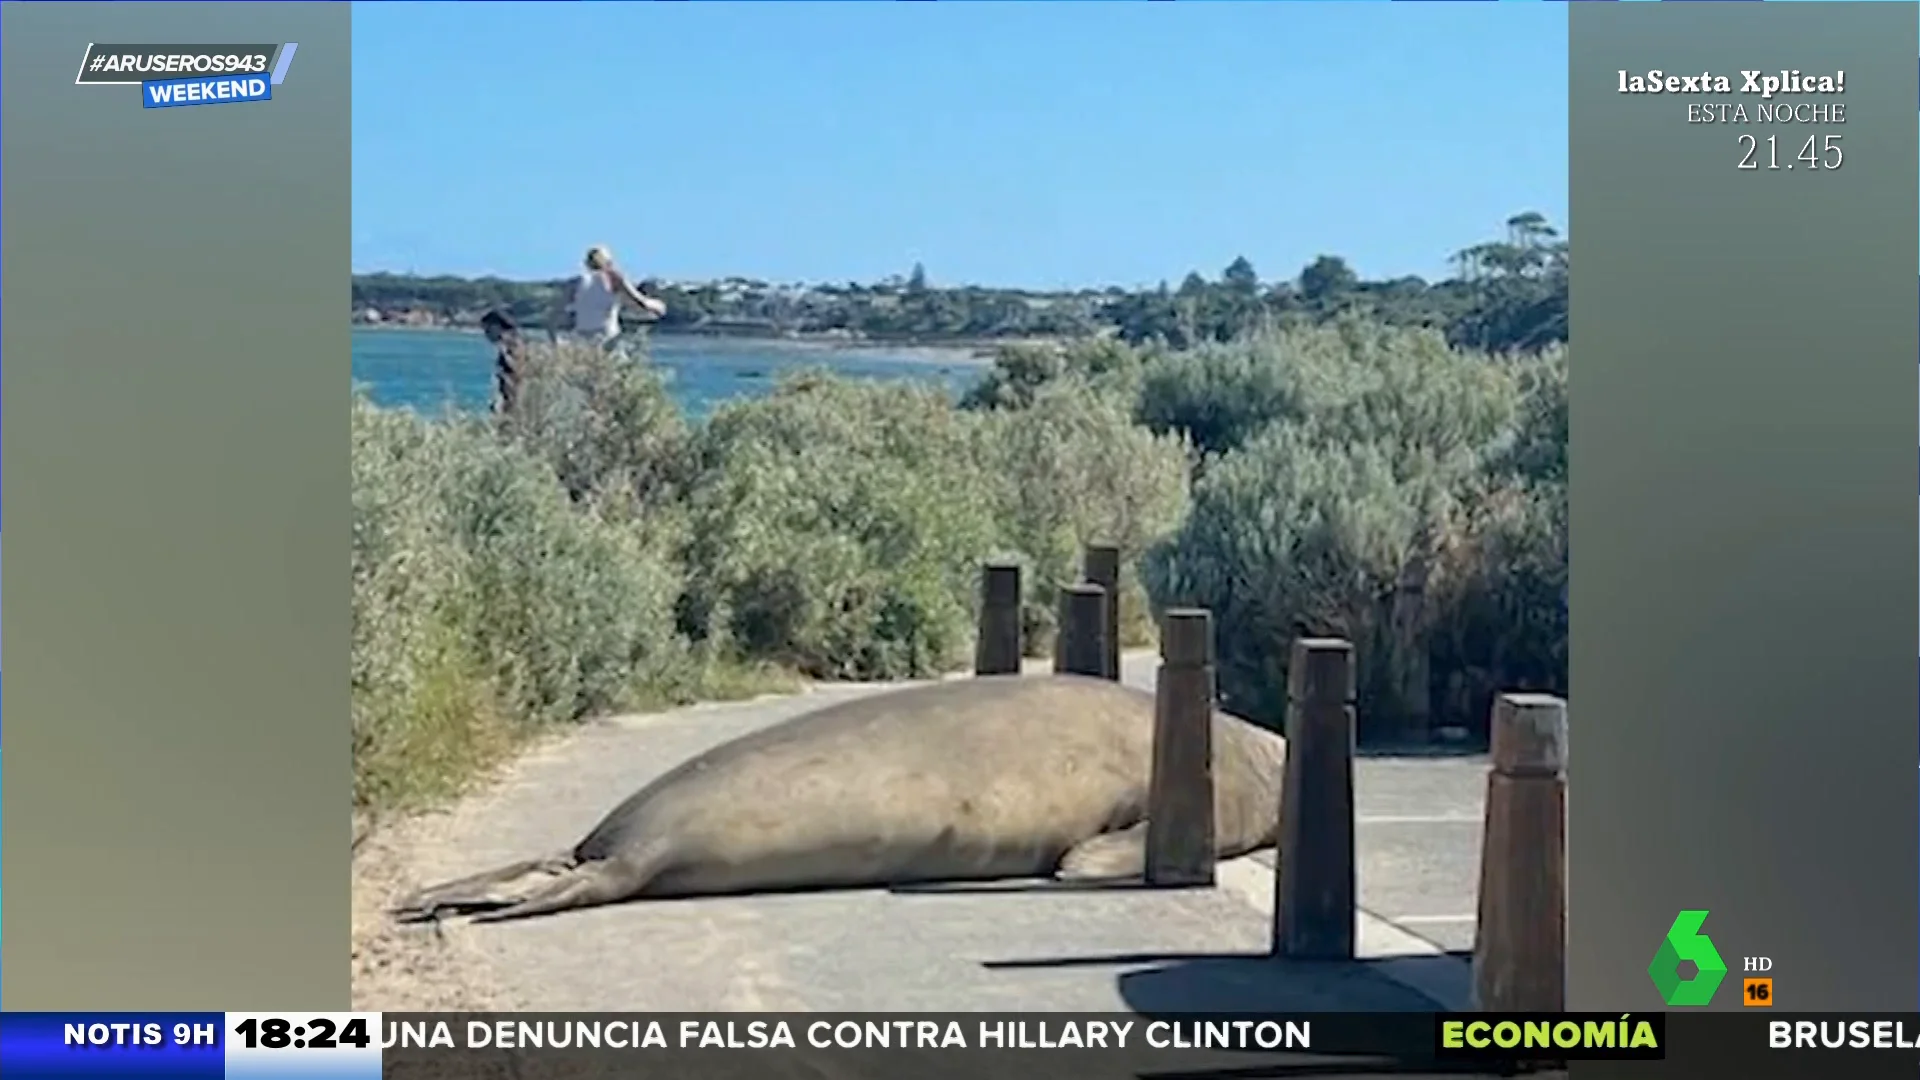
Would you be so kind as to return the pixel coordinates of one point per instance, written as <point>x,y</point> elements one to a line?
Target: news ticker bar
<point>351,1046</point>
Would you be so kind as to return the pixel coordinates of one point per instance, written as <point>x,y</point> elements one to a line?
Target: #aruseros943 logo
<point>173,75</point>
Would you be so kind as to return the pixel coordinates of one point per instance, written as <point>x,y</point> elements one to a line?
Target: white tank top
<point>596,306</point>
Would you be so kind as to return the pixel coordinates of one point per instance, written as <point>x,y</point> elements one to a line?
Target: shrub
<point>1071,469</point>
<point>572,608</point>
<point>1499,600</point>
<point>1538,452</point>
<point>419,714</point>
<point>1221,395</point>
<point>838,527</point>
<point>605,425</point>
<point>1019,372</point>
<point>1500,593</point>
<point>1351,462</point>
<point>1288,538</point>
<point>1346,382</point>
<point>485,601</point>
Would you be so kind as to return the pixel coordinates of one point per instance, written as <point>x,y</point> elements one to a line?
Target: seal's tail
<point>479,892</point>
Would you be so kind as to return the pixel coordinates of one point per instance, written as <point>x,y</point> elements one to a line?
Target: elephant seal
<point>972,780</point>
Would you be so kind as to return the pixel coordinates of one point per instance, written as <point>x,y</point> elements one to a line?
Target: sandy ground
<point>418,968</point>
<point>401,968</point>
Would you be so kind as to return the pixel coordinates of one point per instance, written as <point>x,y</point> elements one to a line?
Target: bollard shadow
<point>1262,983</point>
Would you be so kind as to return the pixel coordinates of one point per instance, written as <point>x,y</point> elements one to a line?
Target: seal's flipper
<point>478,891</point>
<point>1114,856</point>
<point>587,885</point>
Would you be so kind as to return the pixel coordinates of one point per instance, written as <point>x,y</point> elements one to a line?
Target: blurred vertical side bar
<point>1745,329</point>
<point>176,774</point>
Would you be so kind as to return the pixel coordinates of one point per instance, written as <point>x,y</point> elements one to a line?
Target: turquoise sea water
<point>431,370</point>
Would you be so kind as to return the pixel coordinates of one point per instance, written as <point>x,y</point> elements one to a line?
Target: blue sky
<point>1037,145</point>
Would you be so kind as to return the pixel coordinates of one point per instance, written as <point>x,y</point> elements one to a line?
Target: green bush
<point>1346,382</point>
<point>575,609</point>
<point>838,527</point>
<point>1538,452</point>
<point>1499,601</point>
<point>606,426</point>
<point>1500,593</point>
<point>485,601</point>
<point>1221,395</point>
<point>1019,372</point>
<point>420,716</point>
<point>1361,491</point>
<point>1071,469</point>
<point>1289,538</point>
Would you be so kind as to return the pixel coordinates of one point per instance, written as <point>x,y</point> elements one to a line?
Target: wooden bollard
<point>997,650</point>
<point>1103,569</point>
<point>1314,901</point>
<point>1180,825</point>
<point>1520,946</point>
<point>1082,649</point>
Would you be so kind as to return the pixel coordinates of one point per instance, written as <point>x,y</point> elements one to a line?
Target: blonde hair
<point>598,257</point>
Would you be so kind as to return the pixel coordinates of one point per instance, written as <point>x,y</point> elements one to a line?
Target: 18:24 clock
<point>278,1034</point>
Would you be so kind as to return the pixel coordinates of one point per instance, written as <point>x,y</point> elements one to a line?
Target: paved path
<point>1019,945</point>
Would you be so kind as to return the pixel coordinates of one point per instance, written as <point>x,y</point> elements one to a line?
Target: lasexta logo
<point>1684,942</point>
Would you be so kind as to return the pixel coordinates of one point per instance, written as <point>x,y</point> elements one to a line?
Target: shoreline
<point>966,352</point>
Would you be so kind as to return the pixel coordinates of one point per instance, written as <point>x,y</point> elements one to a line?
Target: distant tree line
<point>1505,295</point>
